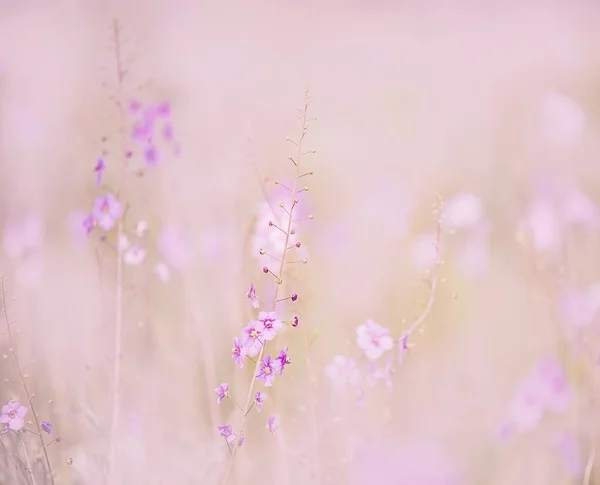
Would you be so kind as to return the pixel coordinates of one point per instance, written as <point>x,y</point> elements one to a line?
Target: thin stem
<point>22,378</point>
<point>116,391</point>
<point>16,461</point>
<point>278,285</point>
<point>433,282</point>
<point>29,469</point>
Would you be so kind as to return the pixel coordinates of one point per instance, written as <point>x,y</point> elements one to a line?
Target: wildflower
<point>141,229</point>
<point>12,415</point>
<point>267,370</point>
<point>107,210</point>
<point>241,441</point>
<point>283,360</point>
<point>270,324</point>
<point>259,399</point>
<point>294,297</point>
<point>99,169</point>
<point>252,337</point>
<point>343,371</point>
<point>134,255</point>
<point>252,296</point>
<point>295,323</point>
<point>89,223</point>
<point>222,391</point>
<point>272,424</point>
<point>239,352</point>
<point>47,427</point>
<point>226,432</point>
<point>373,339</point>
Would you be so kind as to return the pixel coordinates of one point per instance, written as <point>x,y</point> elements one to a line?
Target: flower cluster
<point>277,239</point>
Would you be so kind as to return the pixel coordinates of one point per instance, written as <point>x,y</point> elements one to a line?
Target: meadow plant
<point>253,340</point>
<point>20,419</point>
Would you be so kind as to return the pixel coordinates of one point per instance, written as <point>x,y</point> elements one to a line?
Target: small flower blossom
<point>226,432</point>
<point>222,391</point>
<point>47,427</point>
<point>141,229</point>
<point>107,210</point>
<point>342,372</point>
<point>259,399</point>
<point>270,324</point>
<point>295,322</point>
<point>134,255</point>
<point>253,337</point>
<point>272,424</point>
<point>239,352</point>
<point>12,415</point>
<point>99,169</point>
<point>89,223</point>
<point>267,370</point>
<point>252,296</point>
<point>373,339</point>
<point>241,441</point>
<point>283,360</point>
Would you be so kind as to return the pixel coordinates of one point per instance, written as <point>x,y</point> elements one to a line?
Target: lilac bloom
<point>270,324</point>
<point>267,370</point>
<point>251,295</point>
<point>342,372</point>
<point>238,352</point>
<point>47,427</point>
<point>259,399</point>
<point>374,339</point>
<point>13,413</point>
<point>222,391</point>
<point>99,169</point>
<point>226,432</point>
<point>253,337</point>
<point>272,424</point>
<point>283,360</point>
<point>107,210</point>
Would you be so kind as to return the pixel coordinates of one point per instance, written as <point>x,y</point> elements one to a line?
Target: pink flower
<point>222,392</point>
<point>253,337</point>
<point>342,372</point>
<point>259,399</point>
<point>99,169</point>
<point>270,324</point>
<point>13,413</point>
<point>373,339</point>
<point>283,360</point>
<point>226,432</point>
<point>252,296</point>
<point>267,370</point>
<point>107,210</point>
<point>238,352</point>
<point>272,424</point>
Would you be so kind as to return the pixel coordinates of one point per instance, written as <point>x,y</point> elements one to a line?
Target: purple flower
<point>270,324</point>
<point>343,371</point>
<point>13,413</point>
<point>107,210</point>
<point>47,427</point>
<point>151,155</point>
<point>89,223</point>
<point>226,432</point>
<point>238,352</point>
<point>252,296</point>
<point>241,441</point>
<point>272,424</point>
<point>295,322</point>
<point>283,360</point>
<point>259,399</point>
<point>373,339</point>
<point>267,370</point>
<point>99,169</point>
<point>253,337</point>
<point>222,391</point>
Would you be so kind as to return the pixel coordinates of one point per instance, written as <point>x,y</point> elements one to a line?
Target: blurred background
<point>491,106</point>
